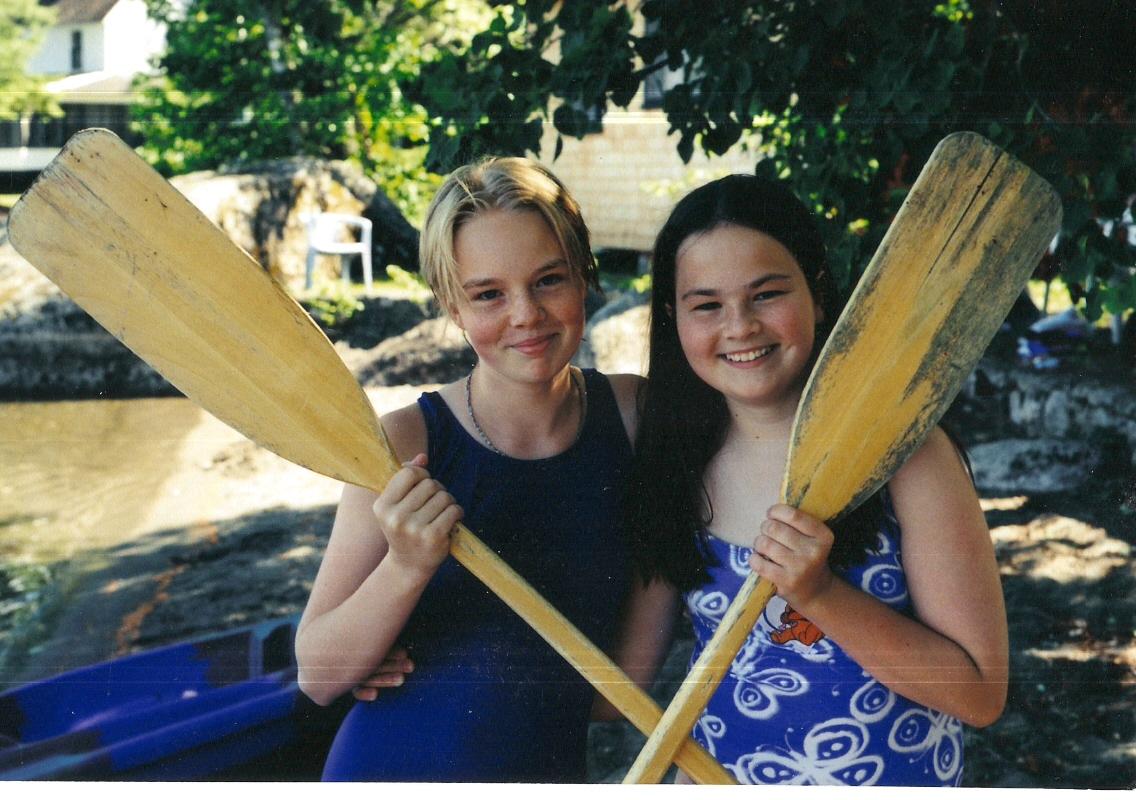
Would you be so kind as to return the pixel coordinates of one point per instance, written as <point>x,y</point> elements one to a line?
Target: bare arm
<point>954,655</point>
<point>382,552</point>
<point>626,388</point>
<point>647,624</point>
<point>645,637</point>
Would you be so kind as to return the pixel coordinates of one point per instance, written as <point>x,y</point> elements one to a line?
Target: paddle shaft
<point>148,266</point>
<point>965,241</point>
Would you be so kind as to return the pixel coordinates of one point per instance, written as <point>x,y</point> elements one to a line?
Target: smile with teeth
<point>748,355</point>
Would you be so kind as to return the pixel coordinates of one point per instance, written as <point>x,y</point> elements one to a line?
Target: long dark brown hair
<point>683,421</point>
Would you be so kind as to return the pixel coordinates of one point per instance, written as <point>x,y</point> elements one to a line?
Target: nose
<point>526,310</point>
<point>742,321</point>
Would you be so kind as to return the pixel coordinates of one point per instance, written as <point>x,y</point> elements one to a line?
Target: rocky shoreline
<point>1064,550</point>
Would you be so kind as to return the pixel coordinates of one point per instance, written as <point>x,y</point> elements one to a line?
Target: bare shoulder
<point>626,388</point>
<point>406,429</point>
<point>933,486</point>
<point>935,461</point>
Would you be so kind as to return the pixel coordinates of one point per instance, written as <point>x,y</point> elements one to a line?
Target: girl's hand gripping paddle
<point>955,258</point>
<point>140,259</point>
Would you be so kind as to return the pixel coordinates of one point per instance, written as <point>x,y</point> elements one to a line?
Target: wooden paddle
<point>957,255</point>
<point>140,259</point>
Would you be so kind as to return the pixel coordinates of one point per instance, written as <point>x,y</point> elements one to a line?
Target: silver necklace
<point>485,437</point>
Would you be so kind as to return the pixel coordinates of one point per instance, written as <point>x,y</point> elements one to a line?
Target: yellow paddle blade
<point>161,278</point>
<point>962,246</point>
<point>970,233</point>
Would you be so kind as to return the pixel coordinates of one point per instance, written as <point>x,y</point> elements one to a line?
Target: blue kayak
<point>220,707</point>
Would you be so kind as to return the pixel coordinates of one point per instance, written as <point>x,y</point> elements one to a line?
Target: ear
<point>670,310</point>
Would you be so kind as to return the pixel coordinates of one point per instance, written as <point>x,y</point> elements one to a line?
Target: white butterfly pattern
<point>712,728</point>
<point>919,730</point>
<point>708,606</point>
<point>878,737</point>
<point>887,582</point>
<point>757,695</point>
<point>872,702</point>
<point>739,560</point>
<point>832,754</point>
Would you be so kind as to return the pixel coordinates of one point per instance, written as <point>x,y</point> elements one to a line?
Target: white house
<point>92,54</point>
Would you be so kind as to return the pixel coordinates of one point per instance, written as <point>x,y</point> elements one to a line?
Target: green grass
<point>396,283</point>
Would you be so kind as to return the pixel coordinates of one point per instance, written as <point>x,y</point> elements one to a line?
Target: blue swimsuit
<point>489,700</point>
<point>795,709</point>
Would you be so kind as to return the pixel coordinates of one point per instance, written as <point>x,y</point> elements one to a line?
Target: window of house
<point>654,90</point>
<point>658,83</point>
<point>595,119</point>
<point>11,134</point>
<point>76,51</point>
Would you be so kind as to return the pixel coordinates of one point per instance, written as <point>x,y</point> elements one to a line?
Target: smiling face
<point>520,304</point>
<point>746,319</point>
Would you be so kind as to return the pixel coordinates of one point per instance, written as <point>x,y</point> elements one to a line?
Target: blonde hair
<point>508,184</point>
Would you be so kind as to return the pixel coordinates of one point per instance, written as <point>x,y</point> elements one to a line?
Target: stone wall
<point>1097,410</point>
<point>262,208</point>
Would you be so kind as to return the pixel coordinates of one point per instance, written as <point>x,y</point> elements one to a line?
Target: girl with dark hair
<point>889,625</point>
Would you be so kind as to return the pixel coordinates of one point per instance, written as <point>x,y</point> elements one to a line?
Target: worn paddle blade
<point>963,245</point>
<point>161,278</point>
<point>967,238</point>
<point>145,263</point>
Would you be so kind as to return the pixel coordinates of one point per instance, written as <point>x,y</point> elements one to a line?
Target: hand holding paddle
<point>968,236</point>
<point>153,271</point>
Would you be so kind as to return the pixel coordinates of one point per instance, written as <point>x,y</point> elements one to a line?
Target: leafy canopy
<point>844,99</point>
<point>22,26</point>
<point>246,81</point>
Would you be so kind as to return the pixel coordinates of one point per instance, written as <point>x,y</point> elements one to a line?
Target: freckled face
<point>745,316</point>
<point>522,305</point>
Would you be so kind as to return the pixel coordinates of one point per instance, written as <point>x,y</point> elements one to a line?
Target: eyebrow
<point>750,286</point>
<point>555,263</point>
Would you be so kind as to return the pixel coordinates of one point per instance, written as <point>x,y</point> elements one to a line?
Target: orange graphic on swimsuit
<point>795,627</point>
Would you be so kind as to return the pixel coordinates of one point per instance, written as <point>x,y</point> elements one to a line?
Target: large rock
<point>434,351</point>
<point>262,208</point>
<point>615,339</point>
<point>1029,466</point>
<point>1090,401</point>
<point>52,350</point>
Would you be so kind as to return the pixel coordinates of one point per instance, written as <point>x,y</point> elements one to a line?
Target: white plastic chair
<point>325,235</point>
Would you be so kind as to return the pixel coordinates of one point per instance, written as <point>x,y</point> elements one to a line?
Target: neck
<point>527,420</point>
<point>503,397</point>
<point>767,423</point>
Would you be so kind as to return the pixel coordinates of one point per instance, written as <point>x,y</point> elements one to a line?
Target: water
<point>84,475</point>
<point>84,484</point>
<point>80,480</point>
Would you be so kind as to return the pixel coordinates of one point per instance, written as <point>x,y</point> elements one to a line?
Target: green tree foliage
<point>845,99</point>
<point>22,25</point>
<point>243,81</point>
